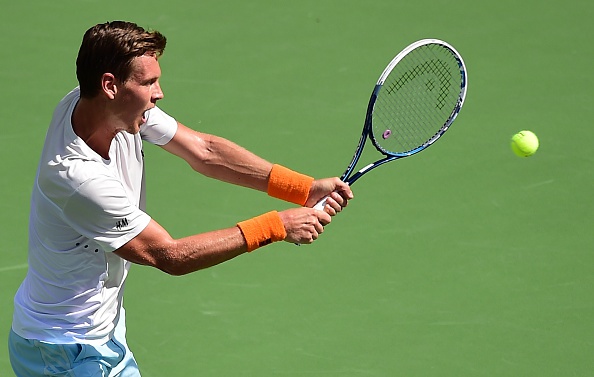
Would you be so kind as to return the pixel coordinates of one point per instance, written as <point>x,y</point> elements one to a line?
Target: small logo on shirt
<point>121,223</point>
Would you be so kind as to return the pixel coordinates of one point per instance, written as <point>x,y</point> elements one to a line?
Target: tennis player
<point>87,219</point>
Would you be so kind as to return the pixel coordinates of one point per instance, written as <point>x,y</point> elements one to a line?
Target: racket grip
<point>320,207</point>
<point>321,204</point>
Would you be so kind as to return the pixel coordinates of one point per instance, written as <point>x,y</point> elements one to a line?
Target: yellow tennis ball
<point>524,143</point>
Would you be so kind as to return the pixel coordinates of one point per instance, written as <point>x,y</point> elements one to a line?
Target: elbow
<point>169,269</point>
<point>201,156</point>
<point>177,263</point>
<point>176,271</point>
<point>172,266</point>
<point>177,258</point>
<point>167,259</point>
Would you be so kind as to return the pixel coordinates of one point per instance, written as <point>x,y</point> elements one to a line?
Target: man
<point>87,220</point>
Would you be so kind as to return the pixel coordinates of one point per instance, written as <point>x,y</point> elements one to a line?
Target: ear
<point>109,85</point>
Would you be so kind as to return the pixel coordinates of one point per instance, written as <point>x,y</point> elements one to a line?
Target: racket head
<point>416,98</point>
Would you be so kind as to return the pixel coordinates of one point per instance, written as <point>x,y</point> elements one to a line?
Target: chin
<point>138,125</point>
<point>134,129</point>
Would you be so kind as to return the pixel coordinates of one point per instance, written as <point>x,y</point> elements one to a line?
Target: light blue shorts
<point>31,358</point>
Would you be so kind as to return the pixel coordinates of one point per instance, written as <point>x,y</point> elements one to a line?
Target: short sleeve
<point>100,210</point>
<point>159,128</point>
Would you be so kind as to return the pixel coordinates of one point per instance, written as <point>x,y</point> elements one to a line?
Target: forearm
<point>219,158</point>
<point>224,160</point>
<point>228,162</point>
<point>189,254</point>
<point>156,248</point>
<point>201,251</point>
<point>197,252</point>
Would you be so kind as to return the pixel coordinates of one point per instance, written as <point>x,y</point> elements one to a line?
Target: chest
<point>127,163</point>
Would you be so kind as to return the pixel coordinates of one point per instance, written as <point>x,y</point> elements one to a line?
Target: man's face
<point>139,93</point>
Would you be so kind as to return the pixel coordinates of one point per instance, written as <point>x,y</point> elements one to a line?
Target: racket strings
<point>417,99</point>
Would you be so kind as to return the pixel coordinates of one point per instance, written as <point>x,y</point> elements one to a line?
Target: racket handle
<point>320,207</point>
<point>321,204</point>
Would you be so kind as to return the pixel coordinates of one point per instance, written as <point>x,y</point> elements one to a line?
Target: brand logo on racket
<point>434,67</point>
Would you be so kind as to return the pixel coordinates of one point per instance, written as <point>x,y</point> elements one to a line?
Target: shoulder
<point>62,178</point>
<point>159,128</point>
<point>63,110</point>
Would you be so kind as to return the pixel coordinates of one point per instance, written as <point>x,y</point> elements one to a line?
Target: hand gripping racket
<point>414,102</point>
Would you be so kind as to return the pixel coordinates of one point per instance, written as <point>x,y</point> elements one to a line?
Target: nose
<point>157,92</point>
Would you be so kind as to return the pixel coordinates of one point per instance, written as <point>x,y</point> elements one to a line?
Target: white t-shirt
<point>83,207</point>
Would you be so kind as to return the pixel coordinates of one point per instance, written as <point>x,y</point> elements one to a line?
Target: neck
<point>91,123</point>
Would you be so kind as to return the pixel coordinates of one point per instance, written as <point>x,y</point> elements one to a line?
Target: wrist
<point>288,185</point>
<point>262,230</point>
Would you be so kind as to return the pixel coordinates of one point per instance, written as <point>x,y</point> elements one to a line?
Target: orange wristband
<point>288,185</point>
<point>262,230</point>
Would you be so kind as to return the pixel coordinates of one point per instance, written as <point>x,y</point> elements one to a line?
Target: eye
<point>149,82</point>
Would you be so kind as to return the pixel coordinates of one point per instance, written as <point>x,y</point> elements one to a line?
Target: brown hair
<point>110,48</point>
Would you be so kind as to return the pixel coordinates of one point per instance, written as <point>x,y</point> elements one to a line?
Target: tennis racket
<point>414,102</point>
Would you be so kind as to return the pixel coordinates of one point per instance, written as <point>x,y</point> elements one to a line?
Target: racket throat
<point>358,174</point>
<point>365,168</point>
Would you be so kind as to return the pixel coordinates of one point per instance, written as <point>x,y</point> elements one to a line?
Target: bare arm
<point>155,247</point>
<point>224,160</point>
<point>219,158</point>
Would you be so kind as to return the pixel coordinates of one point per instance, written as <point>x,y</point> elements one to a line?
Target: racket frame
<point>367,128</point>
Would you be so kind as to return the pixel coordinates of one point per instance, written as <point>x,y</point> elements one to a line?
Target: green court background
<point>463,261</point>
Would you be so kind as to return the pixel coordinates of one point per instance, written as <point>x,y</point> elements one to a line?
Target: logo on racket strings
<point>431,68</point>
